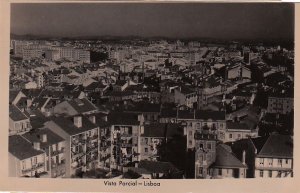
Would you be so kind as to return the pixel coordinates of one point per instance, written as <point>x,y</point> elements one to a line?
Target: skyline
<point>189,20</point>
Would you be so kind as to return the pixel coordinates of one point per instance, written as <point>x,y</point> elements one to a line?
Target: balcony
<point>54,153</point>
<point>33,168</point>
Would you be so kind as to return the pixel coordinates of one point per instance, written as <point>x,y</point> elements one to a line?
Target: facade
<point>52,55</point>
<point>54,148</point>
<point>275,159</point>
<point>30,53</point>
<point>236,131</point>
<point>227,165</point>
<point>185,96</point>
<point>125,131</point>
<point>19,123</point>
<point>197,120</point>
<point>281,105</point>
<point>153,135</point>
<point>82,142</point>
<point>25,159</point>
<point>205,154</point>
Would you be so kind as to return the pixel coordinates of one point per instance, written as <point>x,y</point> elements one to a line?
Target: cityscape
<point>149,105</point>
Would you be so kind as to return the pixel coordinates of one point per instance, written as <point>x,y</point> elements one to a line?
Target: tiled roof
<point>12,95</point>
<point>21,148</point>
<point>226,159</point>
<point>259,142</point>
<point>278,146</point>
<point>52,138</point>
<point>38,120</point>
<point>82,105</point>
<point>16,114</point>
<point>67,124</point>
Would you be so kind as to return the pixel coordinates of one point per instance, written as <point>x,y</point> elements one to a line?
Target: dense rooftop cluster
<point>150,109</point>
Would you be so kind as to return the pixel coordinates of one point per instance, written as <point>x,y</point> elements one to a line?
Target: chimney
<point>43,138</point>
<point>37,145</point>
<point>92,119</point>
<point>244,157</point>
<point>78,121</point>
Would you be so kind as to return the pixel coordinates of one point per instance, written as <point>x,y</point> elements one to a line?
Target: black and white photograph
<point>151,91</point>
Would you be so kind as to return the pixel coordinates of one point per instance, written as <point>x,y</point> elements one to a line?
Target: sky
<point>174,20</point>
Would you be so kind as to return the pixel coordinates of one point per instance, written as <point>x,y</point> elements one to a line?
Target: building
<point>227,165</point>
<point>205,154</point>
<point>280,105</point>
<point>153,135</point>
<point>197,120</point>
<point>18,47</point>
<point>275,158</point>
<point>31,53</point>
<point>19,123</point>
<point>236,131</point>
<point>125,131</point>
<point>238,71</point>
<point>52,55</point>
<point>70,53</point>
<point>81,136</point>
<point>25,159</point>
<point>74,107</point>
<point>54,147</point>
<point>185,96</point>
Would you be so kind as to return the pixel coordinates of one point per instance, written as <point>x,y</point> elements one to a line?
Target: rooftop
<point>279,146</point>
<point>35,136</point>
<point>21,148</point>
<point>16,114</point>
<point>67,124</point>
<point>226,159</point>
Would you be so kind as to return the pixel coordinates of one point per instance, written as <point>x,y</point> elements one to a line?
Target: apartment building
<point>81,136</point>
<point>275,158</point>
<point>125,132</point>
<point>54,147</point>
<point>19,123</point>
<point>25,159</point>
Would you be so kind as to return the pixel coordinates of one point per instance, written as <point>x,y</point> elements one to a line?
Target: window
<point>280,162</point>
<point>270,174</point>
<point>200,171</point>
<point>286,161</point>
<point>270,162</point>
<point>146,141</point>
<point>23,165</point>
<point>230,136</point>
<point>190,142</point>
<point>146,150</point>
<point>34,161</point>
<point>279,174</point>
<point>190,133</point>
<point>201,145</point>
<point>220,172</point>
<point>239,135</point>
<point>261,161</point>
<point>208,145</point>
<point>261,173</point>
